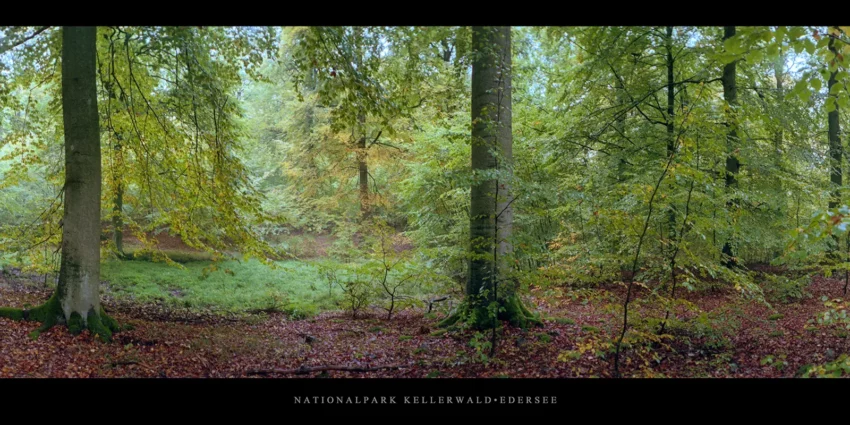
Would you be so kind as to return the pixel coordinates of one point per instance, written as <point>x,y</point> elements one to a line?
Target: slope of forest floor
<point>744,339</point>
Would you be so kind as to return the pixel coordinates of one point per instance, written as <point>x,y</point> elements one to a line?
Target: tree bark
<point>79,273</point>
<point>779,73</point>
<point>363,169</point>
<point>118,201</point>
<point>671,123</point>
<point>730,94</point>
<point>491,215</point>
<point>76,301</point>
<point>835,148</point>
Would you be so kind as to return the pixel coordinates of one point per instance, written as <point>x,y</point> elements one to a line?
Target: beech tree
<point>730,95</point>
<point>490,295</point>
<point>173,140</point>
<point>76,301</point>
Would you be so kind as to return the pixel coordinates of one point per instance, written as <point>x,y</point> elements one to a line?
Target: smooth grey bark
<point>835,148</point>
<point>79,274</point>
<point>730,95</point>
<point>76,301</point>
<point>491,216</point>
<point>491,153</point>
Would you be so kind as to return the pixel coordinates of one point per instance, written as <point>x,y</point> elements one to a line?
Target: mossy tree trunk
<point>491,215</point>
<point>76,301</point>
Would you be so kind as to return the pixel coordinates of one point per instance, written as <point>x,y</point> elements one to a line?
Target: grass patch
<point>293,287</point>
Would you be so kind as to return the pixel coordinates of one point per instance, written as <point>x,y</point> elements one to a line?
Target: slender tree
<point>835,148</point>
<point>730,95</point>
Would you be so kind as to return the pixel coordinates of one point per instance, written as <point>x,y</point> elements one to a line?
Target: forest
<point>424,202</point>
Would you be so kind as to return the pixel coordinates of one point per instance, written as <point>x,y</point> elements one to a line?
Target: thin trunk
<point>779,73</point>
<point>671,93</point>
<point>446,52</point>
<point>671,124</point>
<point>620,125</point>
<point>778,141</point>
<point>730,94</point>
<point>364,168</point>
<point>835,148</point>
<point>118,205</point>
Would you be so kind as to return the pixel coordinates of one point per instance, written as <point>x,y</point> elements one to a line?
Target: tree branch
<point>6,44</point>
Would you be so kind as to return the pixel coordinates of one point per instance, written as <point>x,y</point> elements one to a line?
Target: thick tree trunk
<point>835,148</point>
<point>491,215</point>
<point>79,273</point>
<point>730,94</point>
<point>76,301</point>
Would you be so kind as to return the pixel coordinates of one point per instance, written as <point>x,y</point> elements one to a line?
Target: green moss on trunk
<point>76,323</point>
<point>99,324</point>
<point>50,314</point>
<point>477,315</point>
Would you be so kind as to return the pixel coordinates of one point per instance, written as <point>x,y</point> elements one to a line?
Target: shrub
<point>778,288</point>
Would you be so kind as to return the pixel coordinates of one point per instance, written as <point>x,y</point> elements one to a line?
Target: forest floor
<point>733,337</point>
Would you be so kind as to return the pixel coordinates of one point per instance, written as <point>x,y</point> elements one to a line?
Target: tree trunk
<point>76,301</point>
<point>671,123</point>
<point>620,124</point>
<point>491,216</point>
<point>730,94</point>
<point>779,73</point>
<point>118,203</point>
<point>779,141</point>
<point>363,168</point>
<point>835,148</point>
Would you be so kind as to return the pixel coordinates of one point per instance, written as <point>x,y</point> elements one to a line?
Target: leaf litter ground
<point>767,342</point>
